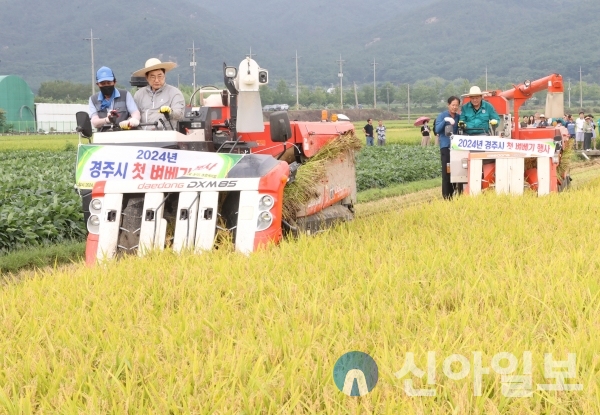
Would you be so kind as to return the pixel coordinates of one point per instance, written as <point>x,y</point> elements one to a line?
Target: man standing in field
<point>579,124</point>
<point>380,134</point>
<point>368,129</point>
<point>112,104</point>
<point>478,115</point>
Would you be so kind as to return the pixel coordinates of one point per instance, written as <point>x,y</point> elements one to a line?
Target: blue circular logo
<point>355,373</point>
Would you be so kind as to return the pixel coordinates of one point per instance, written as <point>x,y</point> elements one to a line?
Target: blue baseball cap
<point>105,74</point>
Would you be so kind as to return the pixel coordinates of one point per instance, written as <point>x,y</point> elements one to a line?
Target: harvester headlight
<point>230,71</point>
<point>527,83</point>
<point>465,164</point>
<point>96,204</point>
<point>266,202</point>
<point>93,224</point>
<point>94,220</point>
<point>264,220</point>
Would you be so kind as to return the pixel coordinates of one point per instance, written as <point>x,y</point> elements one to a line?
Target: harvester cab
<point>508,158</point>
<point>221,170</point>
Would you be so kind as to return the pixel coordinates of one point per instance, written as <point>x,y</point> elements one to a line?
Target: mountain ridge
<point>407,40</point>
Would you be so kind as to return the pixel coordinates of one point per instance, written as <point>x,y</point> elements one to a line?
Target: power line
<point>91,39</point>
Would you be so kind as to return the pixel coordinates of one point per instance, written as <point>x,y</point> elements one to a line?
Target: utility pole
<point>580,90</point>
<point>193,65</point>
<point>297,103</point>
<point>486,88</point>
<point>374,65</point>
<point>387,89</point>
<point>91,39</point>
<point>569,93</point>
<point>408,99</point>
<point>250,54</point>
<point>341,76</point>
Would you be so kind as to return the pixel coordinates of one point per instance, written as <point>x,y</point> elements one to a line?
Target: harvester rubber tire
<point>131,222</point>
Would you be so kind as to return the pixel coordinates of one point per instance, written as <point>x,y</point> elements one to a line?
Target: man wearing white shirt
<point>579,130</point>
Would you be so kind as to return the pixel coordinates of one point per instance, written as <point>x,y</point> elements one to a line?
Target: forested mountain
<point>408,40</point>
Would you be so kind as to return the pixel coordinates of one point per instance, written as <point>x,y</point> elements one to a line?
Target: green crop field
<point>39,205</point>
<point>499,280</point>
<point>38,142</point>
<point>397,132</point>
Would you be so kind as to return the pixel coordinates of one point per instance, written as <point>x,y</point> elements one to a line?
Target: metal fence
<point>33,127</point>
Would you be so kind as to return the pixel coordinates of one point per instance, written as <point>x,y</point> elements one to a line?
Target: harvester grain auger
<point>511,158</point>
<point>222,169</point>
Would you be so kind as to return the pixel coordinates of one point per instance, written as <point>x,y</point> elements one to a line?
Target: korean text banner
<point>528,148</point>
<point>98,162</point>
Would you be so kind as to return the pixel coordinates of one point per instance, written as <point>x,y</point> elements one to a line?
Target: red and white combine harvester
<point>220,168</point>
<point>513,158</point>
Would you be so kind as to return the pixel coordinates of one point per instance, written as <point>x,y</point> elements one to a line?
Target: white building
<point>57,117</point>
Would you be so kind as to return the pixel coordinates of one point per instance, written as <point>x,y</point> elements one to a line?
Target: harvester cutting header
<point>220,170</point>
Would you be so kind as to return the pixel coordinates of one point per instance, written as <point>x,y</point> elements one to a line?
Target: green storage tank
<point>16,98</point>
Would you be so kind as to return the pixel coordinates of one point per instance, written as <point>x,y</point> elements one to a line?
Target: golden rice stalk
<point>565,160</point>
<point>311,173</point>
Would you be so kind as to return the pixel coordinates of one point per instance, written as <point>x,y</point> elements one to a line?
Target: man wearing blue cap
<point>112,105</point>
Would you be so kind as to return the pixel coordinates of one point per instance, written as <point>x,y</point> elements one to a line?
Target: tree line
<point>431,92</point>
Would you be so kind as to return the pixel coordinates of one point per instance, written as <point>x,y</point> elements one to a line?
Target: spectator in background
<point>536,119</point>
<point>579,122</point>
<point>425,134</point>
<point>380,134</point>
<point>530,121</point>
<point>448,118</point>
<point>542,122</point>
<point>570,124</point>
<point>368,129</point>
<point>587,133</point>
<point>593,130</point>
<point>524,123</point>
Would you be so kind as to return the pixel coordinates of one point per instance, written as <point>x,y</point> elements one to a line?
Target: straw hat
<point>474,92</point>
<point>153,64</point>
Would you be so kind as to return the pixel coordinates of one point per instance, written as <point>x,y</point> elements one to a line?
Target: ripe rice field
<point>225,333</point>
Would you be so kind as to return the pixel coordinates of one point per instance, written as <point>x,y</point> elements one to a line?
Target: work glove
<point>134,122</point>
<point>493,122</point>
<point>124,125</point>
<point>450,120</point>
<point>165,109</point>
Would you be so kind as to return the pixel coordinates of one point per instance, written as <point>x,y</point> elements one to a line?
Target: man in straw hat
<point>477,115</point>
<point>112,104</point>
<point>158,100</point>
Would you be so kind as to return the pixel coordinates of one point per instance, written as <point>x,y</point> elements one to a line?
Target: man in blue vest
<point>112,105</point>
